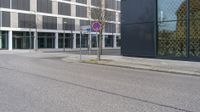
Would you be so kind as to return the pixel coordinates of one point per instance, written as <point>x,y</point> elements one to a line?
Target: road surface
<point>35,84</point>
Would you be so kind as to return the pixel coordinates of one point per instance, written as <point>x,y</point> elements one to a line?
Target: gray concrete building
<point>38,24</point>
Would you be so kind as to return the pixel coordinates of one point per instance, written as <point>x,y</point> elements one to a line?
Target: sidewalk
<point>161,65</point>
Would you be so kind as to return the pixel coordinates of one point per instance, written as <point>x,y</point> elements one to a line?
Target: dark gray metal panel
<point>138,27</point>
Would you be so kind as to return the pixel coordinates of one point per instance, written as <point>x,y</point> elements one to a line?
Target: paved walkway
<point>172,66</point>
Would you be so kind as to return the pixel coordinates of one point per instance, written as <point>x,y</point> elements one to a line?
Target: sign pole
<point>80,45</point>
<point>96,26</point>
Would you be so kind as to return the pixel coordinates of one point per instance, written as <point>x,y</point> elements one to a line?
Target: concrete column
<point>74,41</point>
<point>90,40</point>
<point>60,23</point>
<point>10,41</point>
<point>14,19</point>
<point>56,41</point>
<point>114,41</point>
<point>33,6</point>
<point>103,41</point>
<point>35,41</point>
<point>55,7</point>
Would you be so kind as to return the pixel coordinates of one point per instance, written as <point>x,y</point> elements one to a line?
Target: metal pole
<point>64,41</point>
<point>80,46</point>
<point>30,44</point>
<point>97,45</point>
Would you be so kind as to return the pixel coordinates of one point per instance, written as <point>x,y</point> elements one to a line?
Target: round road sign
<point>96,26</point>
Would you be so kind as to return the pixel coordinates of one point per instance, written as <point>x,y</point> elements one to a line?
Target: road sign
<point>86,28</point>
<point>96,26</point>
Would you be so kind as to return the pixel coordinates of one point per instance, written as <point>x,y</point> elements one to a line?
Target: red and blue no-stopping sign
<point>96,26</point>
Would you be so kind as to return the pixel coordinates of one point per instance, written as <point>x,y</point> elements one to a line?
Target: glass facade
<point>81,11</point>
<point>94,41</point>
<point>84,40</point>
<point>5,3</point>
<point>5,19</point>
<point>28,19</point>
<point>44,6</point>
<point>3,40</point>
<point>49,22</point>
<point>21,4</point>
<point>64,9</point>
<point>109,39</point>
<point>68,43</point>
<point>46,40</point>
<point>23,40</point>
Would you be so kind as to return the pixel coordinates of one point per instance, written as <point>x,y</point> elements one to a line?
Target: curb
<point>147,69</point>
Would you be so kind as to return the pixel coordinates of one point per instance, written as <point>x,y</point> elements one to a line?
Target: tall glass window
<point>46,40</point>
<point>3,40</point>
<point>84,40</point>
<point>109,40</point>
<point>172,28</point>
<point>23,40</point>
<point>5,19</point>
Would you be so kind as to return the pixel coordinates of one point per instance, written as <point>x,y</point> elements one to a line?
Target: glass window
<point>21,4</point>
<point>84,40</point>
<point>3,40</point>
<point>81,11</point>
<point>5,3</point>
<point>6,19</point>
<point>23,40</point>
<point>26,20</point>
<point>110,15</point>
<point>96,2</point>
<point>118,5</point>
<point>110,28</point>
<point>44,6</point>
<point>109,40</point>
<point>49,22</point>
<point>68,24</point>
<point>82,1</point>
<point>64,8</point>
<point>46,40</point>
<point>111,4</point>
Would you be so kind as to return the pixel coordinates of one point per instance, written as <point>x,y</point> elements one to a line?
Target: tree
<point>102,16</point>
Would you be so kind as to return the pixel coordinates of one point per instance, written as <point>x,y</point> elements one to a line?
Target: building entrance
<point>22,40</point>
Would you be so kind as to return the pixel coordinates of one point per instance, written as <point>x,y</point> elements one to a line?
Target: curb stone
<point>149,68</point>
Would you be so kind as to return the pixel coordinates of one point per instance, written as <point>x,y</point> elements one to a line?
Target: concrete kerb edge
<point>147,69</point>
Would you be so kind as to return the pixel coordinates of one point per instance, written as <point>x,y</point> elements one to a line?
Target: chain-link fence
<point>173,29</point>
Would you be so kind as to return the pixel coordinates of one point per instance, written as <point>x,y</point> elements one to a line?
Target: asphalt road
<point>37,84</point>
